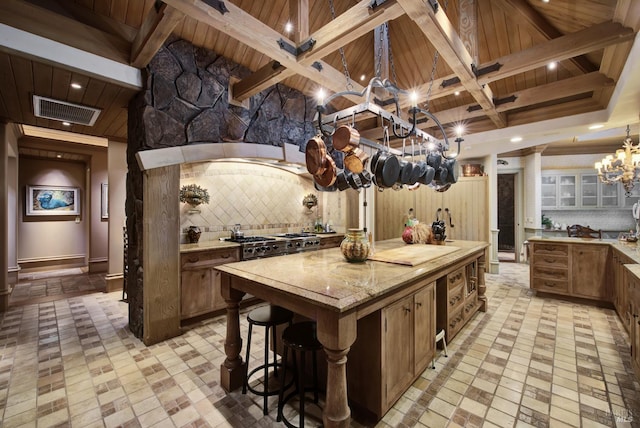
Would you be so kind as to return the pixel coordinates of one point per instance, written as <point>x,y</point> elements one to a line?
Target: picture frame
<point>104,202</point>
<point>52,201</point>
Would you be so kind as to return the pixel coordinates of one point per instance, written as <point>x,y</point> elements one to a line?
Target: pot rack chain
<point>349,85</point>
<point>433,68</point>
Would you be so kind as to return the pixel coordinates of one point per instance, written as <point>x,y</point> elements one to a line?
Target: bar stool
<point>268,317</point>
<point>300,337</point>
<point>439,337</point>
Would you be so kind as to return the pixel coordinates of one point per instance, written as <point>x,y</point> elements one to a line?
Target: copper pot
<point>346,138</point>
<point>315,156</point>
<point>356,160</point>
<point>328,176</point>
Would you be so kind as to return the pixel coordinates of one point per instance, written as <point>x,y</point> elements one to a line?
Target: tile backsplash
<point>606,220</point>
<point>263,199</point>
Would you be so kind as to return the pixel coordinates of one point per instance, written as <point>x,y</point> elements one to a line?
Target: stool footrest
<point>268,393</point>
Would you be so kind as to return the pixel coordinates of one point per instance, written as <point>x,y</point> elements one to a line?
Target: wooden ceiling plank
<point>261,38</point>
<point>101,21</point>
<point>441,33</point>
<point>23,78</point>
<point>42,78</point>
<point>526,15</point>
<point>8,89</point>
<point>157,26</point>
<point>36,20</point>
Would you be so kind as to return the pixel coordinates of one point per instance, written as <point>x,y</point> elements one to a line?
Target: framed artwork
<point>53,200</point>
<point>104,211</point>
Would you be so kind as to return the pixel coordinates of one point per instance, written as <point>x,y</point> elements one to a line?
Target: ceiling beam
<point>590,39</point>
<point>347,27</point>
<point>102,22</point>
<point>442,34</point>
<point>243,27</point>
<point>156,27</point>
<point>39,21</point>
<point>524,13</point>
<point>551,91</point>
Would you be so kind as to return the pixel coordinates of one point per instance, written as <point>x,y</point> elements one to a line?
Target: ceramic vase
<point>355,246</point>
<point>193,234</point>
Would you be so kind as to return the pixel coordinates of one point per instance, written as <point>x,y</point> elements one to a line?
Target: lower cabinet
<point>404,332</point>
<point>457,299</point>
<point>200,282</point>
<point>572,269</point>
<point>621,294</point>
<point>634,325</point>
<point>330,241</point>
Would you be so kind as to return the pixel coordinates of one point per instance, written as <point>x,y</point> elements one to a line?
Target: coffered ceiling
<point>591,42</point>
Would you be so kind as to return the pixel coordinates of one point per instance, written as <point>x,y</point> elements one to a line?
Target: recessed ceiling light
<point>456,93</point>
<point>76,85</point>
<point>552,65</point>
<point>516,139</point>
<point>288,27</point>
<point>66,123</point>
<point>597,126</point>
<point>545,1</point>
<point>58,155</point>
<point>363,77</point>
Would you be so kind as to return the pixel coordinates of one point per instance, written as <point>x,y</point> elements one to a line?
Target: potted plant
<point>194,195</point>
<point>546,222</point>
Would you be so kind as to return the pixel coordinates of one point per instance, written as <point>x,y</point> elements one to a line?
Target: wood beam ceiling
<point>157,26</point>
<point>441,33</point>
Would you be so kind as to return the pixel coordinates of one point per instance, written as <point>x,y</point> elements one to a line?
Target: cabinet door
<point>425,327</point>
<point>589,271</point>
<point>634,331</point>
<point>196,294</point>
<point>549,191</point>
<point>567,191</point>
<point>398,361</point>
<point>609,195</point>
<point>589,190</point>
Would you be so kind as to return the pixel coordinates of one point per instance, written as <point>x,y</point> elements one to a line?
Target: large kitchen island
<point>394,308</point>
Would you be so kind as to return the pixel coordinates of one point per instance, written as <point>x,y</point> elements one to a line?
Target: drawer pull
<point>193,259</point>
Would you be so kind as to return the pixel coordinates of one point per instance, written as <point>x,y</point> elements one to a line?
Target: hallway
<point>528,361</point>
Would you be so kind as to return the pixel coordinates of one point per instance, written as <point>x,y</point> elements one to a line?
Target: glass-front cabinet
<point>582,190</point>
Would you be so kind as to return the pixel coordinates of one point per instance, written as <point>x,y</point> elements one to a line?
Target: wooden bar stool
<point>300,338</point>
<point>439,337</point>
<point>268,317</point>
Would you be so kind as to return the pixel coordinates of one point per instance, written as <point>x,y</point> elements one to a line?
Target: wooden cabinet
<point>200,282</point>
<point>330,241</point>
<point>581,189</point>
<point>621,293</point>
<point>404,332</point>
<point>559,190</point>
<point>589,271</point>
<point>634,315</point>
<point>456,299</point>
<point>573,269</point>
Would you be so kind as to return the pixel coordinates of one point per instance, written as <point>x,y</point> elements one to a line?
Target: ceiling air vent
<point>60,110</point>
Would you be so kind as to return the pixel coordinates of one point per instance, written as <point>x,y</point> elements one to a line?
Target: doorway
<point>506,218</point>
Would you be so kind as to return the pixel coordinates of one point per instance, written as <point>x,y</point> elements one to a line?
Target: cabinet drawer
<point>455,323</point>
<point>470,305</point>
<point>200,259</point>
<point>545,284</point>
<point>560,262</point>
<point>455,278</point>
<point>550,273</point>
<point>455,297</point>
<point>551,249</point>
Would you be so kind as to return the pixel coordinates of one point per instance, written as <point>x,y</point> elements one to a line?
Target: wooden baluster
<point>232,369</point>
<point>482,288</point>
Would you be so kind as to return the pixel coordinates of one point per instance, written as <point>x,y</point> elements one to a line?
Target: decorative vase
<point>355,246</point>
<point>193,234</point>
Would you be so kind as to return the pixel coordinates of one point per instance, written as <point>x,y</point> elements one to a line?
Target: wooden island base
<point>375,320</point>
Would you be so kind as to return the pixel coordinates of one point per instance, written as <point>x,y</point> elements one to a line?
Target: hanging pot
<point>356,160</point>
<point>428,175</point>
<point>387,170</point>
<point>328,177</point>
<point>434,160</point>
<point>346,138</point>
<point>452,170</point>
<point>341,180</point>
<point>365,178</point>
<point>315,155</point>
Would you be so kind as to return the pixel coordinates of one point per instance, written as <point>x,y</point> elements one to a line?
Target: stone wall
<point>186,101</point>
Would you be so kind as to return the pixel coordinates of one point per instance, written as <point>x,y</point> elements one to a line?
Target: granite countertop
<point>326,278</point>
<point>630,249</point>
<point>207,245</point>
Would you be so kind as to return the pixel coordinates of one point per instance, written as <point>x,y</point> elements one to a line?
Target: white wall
<point>117,162</point>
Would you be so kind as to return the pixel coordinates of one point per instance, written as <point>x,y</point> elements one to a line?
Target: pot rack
<point>327,123</point>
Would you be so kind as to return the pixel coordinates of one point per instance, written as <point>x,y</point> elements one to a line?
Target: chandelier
<point>624,167</point>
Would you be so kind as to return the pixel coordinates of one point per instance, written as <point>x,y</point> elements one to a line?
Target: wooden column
<point>161,254</point>
<point>233,368</point>
<point>337,333</point>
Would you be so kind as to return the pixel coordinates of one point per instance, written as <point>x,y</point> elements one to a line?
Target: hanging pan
<point>315,155</point>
